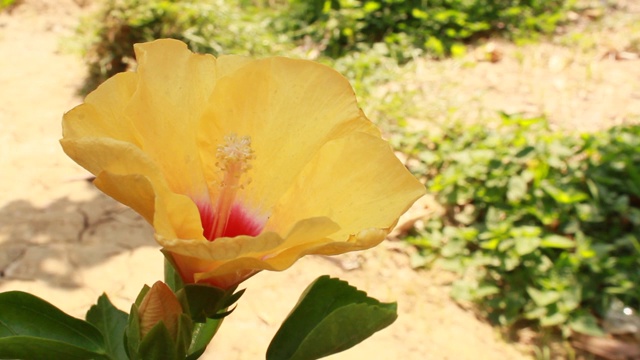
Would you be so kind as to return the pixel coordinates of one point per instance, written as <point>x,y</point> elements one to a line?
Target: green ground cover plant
<point>441,27</point>
<point>542,226</point>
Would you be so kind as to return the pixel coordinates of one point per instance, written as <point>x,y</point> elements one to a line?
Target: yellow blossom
<point>240,165</point>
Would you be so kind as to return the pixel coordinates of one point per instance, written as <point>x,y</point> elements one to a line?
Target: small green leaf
<point>586,324</point>
<point>527,245</point>
<point>330,317</point>
<point>556,318</point>
<point>558,242</point>
<point>202,335</point>
<point>543,298</point>
<point>31,328</point>
<point>517,189</point>
<point>233,298</point>
<point>171,276</point>
<point>158,344</point>
<point>564,196</point>
<point>206,301</point>
<point>486,290</point>
<point>132,332</point>
<point>112,323</point>
<point>184,335</point>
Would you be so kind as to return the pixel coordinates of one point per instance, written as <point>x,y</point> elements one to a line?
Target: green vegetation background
<point>542,227</point>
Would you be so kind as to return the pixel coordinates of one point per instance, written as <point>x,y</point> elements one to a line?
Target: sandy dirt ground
<point>63,240</point>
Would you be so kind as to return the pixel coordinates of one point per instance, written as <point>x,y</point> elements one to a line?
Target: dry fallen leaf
<point>607,348</point>
<point>489,52</point>
<point>423,208</point>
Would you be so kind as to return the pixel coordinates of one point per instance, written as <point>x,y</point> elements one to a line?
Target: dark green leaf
<point>132,333</point>
<point>233,298</point>
<point>206,301</point>
<point>38,348</point>
<point>330,317</point>
<point>112,323</point>
<point>203,300</point>
<point>158,344</point>
<point>31,328</point>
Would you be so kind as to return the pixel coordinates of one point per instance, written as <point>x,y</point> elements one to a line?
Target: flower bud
<point>159,304</point>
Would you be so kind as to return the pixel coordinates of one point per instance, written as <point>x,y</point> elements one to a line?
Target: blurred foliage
<point>394,29</point>
<point>441,27</point>
<point>5,4</point>
<point>214,26</point>
<point>542,226</point>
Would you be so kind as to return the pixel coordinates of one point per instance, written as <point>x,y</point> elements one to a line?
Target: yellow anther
<point>235,153</point>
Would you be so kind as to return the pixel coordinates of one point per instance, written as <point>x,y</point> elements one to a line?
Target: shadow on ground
<point>50,243</point>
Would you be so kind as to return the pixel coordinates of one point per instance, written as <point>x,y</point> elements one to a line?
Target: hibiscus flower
<point>240,165</point>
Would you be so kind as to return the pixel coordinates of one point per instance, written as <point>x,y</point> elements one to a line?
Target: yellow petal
<point>176,216</point>
<point>227,261</point>
<point>174,86</point>
<point>364,190</point>
<point>362,186</point>
<point>227,249</point>
<point>134,191</point>
<point>127,174</point>
<point>107,154</point>
<point>289,108</point>
<point>102,113</point>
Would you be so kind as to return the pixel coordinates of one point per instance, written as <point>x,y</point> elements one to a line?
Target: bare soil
<point>64,241</point>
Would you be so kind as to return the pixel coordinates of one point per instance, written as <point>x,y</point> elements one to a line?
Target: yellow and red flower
<point>240,165</point>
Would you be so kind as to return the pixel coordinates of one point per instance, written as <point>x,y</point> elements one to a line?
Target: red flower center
<point>224,216</point>
<point>238,223</point>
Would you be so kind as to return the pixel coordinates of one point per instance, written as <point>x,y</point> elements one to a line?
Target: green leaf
<point>543,298</point>
<point>556,318</point>
<point>202,335</point>
<point>330,317</point>
<point>517,189</point>
<point>31,328</point>
<point>206,301</point>
<point>586,324</point>
<point>564,196</point>
<point>112,323</point>
<point>486,290</point>
<point>558,242</point>
<point>158,344</point>
<point>527,245</point>
<point>171,276</point>
<point>184,335</point>
<point>132,332</point>
<point>38,348</point>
